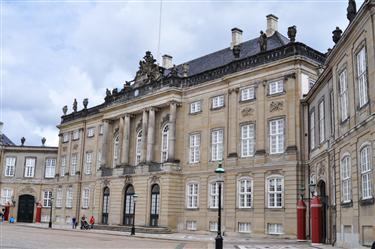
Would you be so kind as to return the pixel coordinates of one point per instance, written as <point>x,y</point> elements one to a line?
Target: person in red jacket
<point>92,221</point>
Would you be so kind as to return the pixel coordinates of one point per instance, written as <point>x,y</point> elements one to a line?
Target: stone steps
<point>138,229</point>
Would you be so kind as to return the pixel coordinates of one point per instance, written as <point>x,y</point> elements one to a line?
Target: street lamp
<point>135,196</point>
<point>50,215</point>
<point>220,179</point>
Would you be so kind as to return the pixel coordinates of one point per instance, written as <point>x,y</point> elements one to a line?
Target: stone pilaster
<point>150,135</point>
<point>261,131</point>
<point>105,143</point>
<point>144,135</point>
<point>121,138</point>
<point>126,140</point>
<point>232,129</point>
<point>172,131</point>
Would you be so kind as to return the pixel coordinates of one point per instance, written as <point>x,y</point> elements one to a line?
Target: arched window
<point>116,149</point>
<point>129,205</point>
<point>346,179</point>
<point>366,172</point>
<point>164,143</point>
<point>138,149</point>
<point>245,193</point>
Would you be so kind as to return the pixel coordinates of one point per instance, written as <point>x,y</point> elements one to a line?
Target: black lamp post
<point>50,215</point>
<point>220,179</point>
<point>135,196</point>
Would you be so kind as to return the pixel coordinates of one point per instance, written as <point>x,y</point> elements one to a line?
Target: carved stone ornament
<point>276,106</point>
<point>148,70</point>
<point>106,182</point>
<point>321,170</point>
<point>165,119</point>
<point>128,180</point>
<point>139,125</point>
<point>64,149</point>
<point>155,179</point>
<point>247,111</point>
<point>27,190</point>
<point>236,90</point>
<point>75,147</point>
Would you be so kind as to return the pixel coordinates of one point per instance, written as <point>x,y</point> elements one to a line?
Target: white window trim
<point>246,178</point>
<point>248,140</point>
<point>47,199</point>
<point>86,198</point>
<point>32,167</point>
<point>50,169</point>
<point>62,166</point>
<point>275,233</point>
<point>91,132</point>
<point>88,162</point>
<point>211,197</point>
<point>247,93</point>
<point>138,147</point>
<point>164,151</point>
<point>195,107</point>
<point>217,147</point>
<point>217,101</point>
<point>346,197</point>
<point>278,136</point>
<point>275,192</point>
<point>321,118</point>
<point>6,198</point>
<point>74,164</point>
<point>191,225</point>
<point>343,95</point>
<point>242,225</point>
<point>368,172</point>
<point>69,198</point>
<point>116,150</point>
<point>277,89</point>
<point>191,195</point>
<point>59,197</point>
<point>362,78</point>
<point>10,169</point>
<point>66,137</point>
<point>75,135</point>
<point>312,129</point>
<point>194,148</point>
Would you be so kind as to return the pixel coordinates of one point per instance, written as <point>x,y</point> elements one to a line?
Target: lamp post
<point>135,196</point>
<point>220,179</point>
<point>50,215</point>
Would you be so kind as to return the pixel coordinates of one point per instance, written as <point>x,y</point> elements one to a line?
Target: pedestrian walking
<point>92,221</point>
<point>74,221</point>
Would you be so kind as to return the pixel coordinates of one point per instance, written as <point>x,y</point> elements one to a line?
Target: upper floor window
<point>275,186</point>
<point>73,168</point>
<point>195,107</point>
<point>247,93</point>
<point>217,101</point>
<point>343,96</point>
<point>69,198</point>
<point>116,150</point>
<point>30,166</point>
<point>276,136</point>
<point>88,163</point>
<point>138,149</point>
<point>47,195</point>
<point>164,143</point>
<point>217,145</point>
<point>86,198</point>
<point>62,165</point>
<point>59,196</point>
<point>346,179</point>
<point>66,137</point>
<point>6,195</point>
<point>214,195</point>
<point>362,77</point>
<point>76,135</point>
<point>247,140</point>
<point>10,165</point>
<point>99,159</point>
<point>276,87</point>
<point>50,168</point>
<point>194,148</point>
<point>366,172</point>
<point>101,129</point>
<point>245,193</point>
<point>91,132</point>
<point>192,195</point>
<point>321,121</point>
<point>312,130</point>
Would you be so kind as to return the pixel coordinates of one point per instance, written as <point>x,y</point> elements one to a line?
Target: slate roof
<point>225,56</point>
<point>4,140</point>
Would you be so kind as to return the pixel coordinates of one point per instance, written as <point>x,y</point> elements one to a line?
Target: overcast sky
<point>55,51</point>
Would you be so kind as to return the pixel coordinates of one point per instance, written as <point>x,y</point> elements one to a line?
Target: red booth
<point>316,219</point>
<point>301,220</point>
<point>38,214</point>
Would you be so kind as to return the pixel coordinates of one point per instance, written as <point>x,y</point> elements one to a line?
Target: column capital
<point>174,102</point>
<point>231,90</point>
<point>129,115</point>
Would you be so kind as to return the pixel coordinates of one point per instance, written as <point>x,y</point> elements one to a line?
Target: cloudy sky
<point>55,51</point>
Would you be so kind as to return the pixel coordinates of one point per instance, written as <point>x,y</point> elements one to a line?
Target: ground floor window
<point>191,225</point>
<point>213,226</point>
<point>243,227</point>
<point>273,228</point>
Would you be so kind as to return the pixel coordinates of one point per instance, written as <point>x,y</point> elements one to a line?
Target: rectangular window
<point>50,168</point>
<point>76,135</point>
<point>30,166</point>
<point>276,136</point>
<point>192,195</point>
<point>69,198</point>
<point>312,130</point>
<point>343,95</point>
<point>321,122</point>
<point>244,193</point>
<point>101,129</point>
<point>213,226</point>
<point>214,195</point>
<point>62,166</point>
<point>99,159</point>
<point>10,165</point>
<point>86,198</point>
<point>195,107</point>
<point>191,225</point>
<point>247,140</point>
<point>243,227</point>
<point>73,168</point>
<point>59,196</point>
<point>88,163</point>
<point>346,179</point>
<point>217,101</point>
<point>275,192</point>
<point>66,137</point>
<point>217,145</point>
<point>247,93</point>
<point>194,148</point>
<point>6,196</point>
<point>362,77</point>
<point>274,228</point>
<point>276,87</point>
<point>91,132</point>
<point>47,195</point>
<point>366,173</point>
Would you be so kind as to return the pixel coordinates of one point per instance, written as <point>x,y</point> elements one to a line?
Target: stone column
<point>105,143</point>
<point>172,131</point>
<point>126,140</point>
<point>150,135</point>
<point>121,138</point>
<point>144,135</point>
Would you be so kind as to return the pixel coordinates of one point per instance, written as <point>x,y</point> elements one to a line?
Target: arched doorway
<point>105,210</point>
<point>128,205</point>
<point>324,199</point>
<point>155,205</point>
<point>25,208</point>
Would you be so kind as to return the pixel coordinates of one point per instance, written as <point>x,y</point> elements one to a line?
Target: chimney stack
<point>271,25</point>
<point>167,61</point>
<point>236,37</point>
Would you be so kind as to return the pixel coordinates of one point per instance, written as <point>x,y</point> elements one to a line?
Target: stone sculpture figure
<point>336,35</point>
<point>44,140</point>
<point>85,103</point>
<point>351,10</point>
<point>174,71</point>
<point>75,105</point>
<point>292,31</point>
<point>148,70</point>
<point>65,109</point>
<point>262,41</point>
<point>23,139</point>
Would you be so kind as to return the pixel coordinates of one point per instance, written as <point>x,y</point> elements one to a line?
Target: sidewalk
<point>176,236</point>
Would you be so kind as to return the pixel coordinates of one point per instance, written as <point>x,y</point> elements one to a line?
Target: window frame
<point>245,193</point>
<point>250,93</point>
<point>275,192</point>
<point>69,198</point>
<point>346,177</point>
<point>66,137</point>
<point>88,162</point>
<point>278,89</point>
<point>195,104</point>
<point>217,145</point>
<point>10,170</point>
<point>59,198</point>
<point>220,103</point>
<point>343,95</point>
<point>32,168</point>
<point>277,231</point>
<point>75,135</point>
<point>321,121</point>
<point>49,169</point>
<point>91,132</point>
<point>282,135</point>
<point>249,140</point>
<point>213,198</point>
<point>47,199</point>
<point>312,129</point>
<point>63,165</point>
<point>244,224</point>
<point>361,77</point>
<point>73,164</point>
<point>138,147</point>
<point>192,198</point>
<point>5,198</point>
<point>116,150</point>
<point>86,198</point>
<point>194,148</point>
<point>366,171</point>
<point>164,149</point>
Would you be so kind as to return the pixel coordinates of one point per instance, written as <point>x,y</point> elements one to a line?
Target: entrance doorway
<point>324,200</point>
<point>26,208</point>
<point>128,206</point>
<point>155,205</point>
<point>105,211</point>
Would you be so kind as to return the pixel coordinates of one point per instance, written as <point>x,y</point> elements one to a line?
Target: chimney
<point>271,24</point>
<point>1,132</point>
<point>167,61</point>
<point>236,37</point>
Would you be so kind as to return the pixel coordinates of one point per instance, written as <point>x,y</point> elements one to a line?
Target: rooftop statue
<point>148,70</point>
<point>75,105</point>
<point>351,10</point>
<point>262,41</point>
